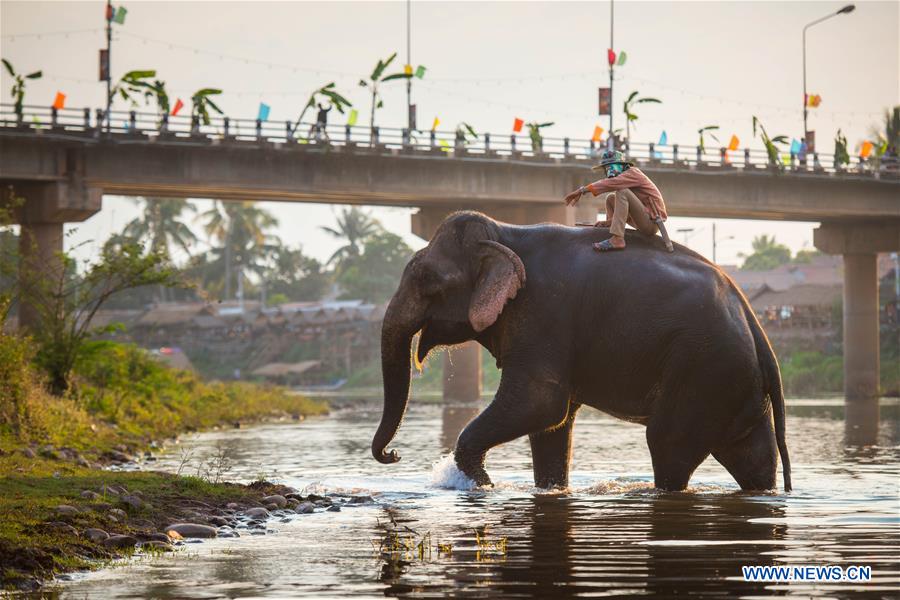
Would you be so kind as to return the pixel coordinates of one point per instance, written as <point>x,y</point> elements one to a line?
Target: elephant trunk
<point>402,320</point>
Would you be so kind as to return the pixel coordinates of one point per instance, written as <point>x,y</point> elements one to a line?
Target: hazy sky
<point>488,62</point>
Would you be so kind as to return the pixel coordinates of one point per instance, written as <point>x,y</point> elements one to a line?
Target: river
<point>610,534</point>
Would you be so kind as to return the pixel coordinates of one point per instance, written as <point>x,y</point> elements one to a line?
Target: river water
<point>611,534</point>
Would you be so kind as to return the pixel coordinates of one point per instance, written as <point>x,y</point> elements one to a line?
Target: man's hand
<point>573,198</point>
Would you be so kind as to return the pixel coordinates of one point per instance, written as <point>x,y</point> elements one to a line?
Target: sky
<point>487,63</point>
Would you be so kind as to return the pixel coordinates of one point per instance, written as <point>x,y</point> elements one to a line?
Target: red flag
<point>60,101</point>
<point>611,56</point>
<point>178,106</point>
<point>109,12</point>
<point>517,125</point>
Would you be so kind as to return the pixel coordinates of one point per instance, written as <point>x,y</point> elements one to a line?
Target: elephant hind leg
<point>551,453</point>
<point>675,455</point>
<point>753,459</point>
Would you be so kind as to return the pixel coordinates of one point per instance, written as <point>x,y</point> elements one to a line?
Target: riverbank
<point>61,509</point>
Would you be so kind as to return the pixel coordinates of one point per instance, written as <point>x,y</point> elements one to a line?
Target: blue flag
<point>795,147</point>
<point>263,111</point>
<point>663,139</point>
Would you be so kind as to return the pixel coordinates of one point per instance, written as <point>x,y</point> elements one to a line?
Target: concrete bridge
<point>63,164</point>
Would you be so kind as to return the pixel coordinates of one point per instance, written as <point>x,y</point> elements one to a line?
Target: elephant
<point>663,339</point>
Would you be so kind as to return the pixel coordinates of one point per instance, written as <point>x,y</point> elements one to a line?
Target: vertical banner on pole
<point>603,101</point>
<point>412,118</point>
<point>104,64</point>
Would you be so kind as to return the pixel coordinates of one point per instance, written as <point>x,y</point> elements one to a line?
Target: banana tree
<point>706,129</point>
<point>329,92</point>
<point>201,103</point>
<point>132,85</point>
<point>376,79</point>
<point>18,88</point>
<point>628,106</point>
<point>770,143</point>
<point>534,132</point>
<point>157,91</point>
<point>465,134</point>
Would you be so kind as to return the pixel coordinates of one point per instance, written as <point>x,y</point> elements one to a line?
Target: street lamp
<point>685,231</point>
<point>844,11</point>
<point>715,241</point>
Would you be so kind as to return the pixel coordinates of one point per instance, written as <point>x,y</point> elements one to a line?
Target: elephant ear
<point>501,274</point>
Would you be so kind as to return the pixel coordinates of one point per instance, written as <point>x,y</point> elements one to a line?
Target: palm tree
<point>161,225</point>
<point>769,143</point>
<point>201,103</point>
<point>18,88</point>
<point>355,226</point>
<point>704,130</point>
<point>628,106</point>
<point>241,230</point>
<point>376,78</point>
<point>534,132</point>
<point>329,92</point>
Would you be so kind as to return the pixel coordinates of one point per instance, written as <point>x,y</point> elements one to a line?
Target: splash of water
<point>446,475</point>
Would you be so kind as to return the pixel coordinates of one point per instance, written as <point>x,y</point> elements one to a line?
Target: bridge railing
<point>134,126</point>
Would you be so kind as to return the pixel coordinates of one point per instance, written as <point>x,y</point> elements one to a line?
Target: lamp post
<point>843,11</point>
<point>685,231</point>
<point>715,242</point>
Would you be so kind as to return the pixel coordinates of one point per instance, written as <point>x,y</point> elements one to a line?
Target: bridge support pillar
<point>859,246</point>
<point>41,210</point>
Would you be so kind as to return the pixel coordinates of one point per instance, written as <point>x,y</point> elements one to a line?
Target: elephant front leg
<point>524,404</point>
<point>551,453</point>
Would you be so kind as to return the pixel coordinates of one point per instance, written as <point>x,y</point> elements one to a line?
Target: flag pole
<point>108,62</point>
<point>612,136</point>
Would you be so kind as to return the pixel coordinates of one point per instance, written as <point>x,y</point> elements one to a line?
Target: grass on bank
<point>121,398</point>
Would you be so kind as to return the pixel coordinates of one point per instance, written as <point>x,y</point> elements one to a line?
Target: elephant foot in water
<point>474,470</point>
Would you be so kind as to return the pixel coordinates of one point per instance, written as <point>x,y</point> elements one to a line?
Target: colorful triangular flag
<point>795,146</point>
<point>420,71</point>
<point>622,58</point>
<point>663,139</point>
<point>120,15</point>
<point>434,125</point>
<point>60,101</point>
<point>352,117</point>
<point>866,149</point>
<point>598,131</point>
<point>178,106</point>
<point>263,114</point>
<point>408,70</point>
<point>733,144</point>
<point>610,56</point>
<point>517,125</point>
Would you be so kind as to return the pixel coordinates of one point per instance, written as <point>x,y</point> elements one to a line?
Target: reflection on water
<point>610,534</point>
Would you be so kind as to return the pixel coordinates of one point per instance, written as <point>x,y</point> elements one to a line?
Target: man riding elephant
<point>632,198</point>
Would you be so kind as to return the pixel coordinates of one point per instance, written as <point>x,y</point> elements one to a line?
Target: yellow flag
<point>434,125</point>
<point>733,144</point>
<point>407,70</point>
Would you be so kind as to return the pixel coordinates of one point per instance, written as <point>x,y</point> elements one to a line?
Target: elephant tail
<point>772,378</point>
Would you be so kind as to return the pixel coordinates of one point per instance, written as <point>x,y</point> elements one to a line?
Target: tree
<point>331,94</point>
<point>704,130</point>
<point>378,77</point>
<point>295,276</point>
<point>241,230</point>
<point>161,226</point>
<point>132,85</point>
<point>841,154</point>
<point>66,302</point>
<point>534,132</point>
<point>355,226</point>
<point>889,137</point>
<point>767,254</point>
<point>374,274</point>
<point>770,143</point>
<point>628,108</point>
<point>18,88</point>
<point>201,104</point>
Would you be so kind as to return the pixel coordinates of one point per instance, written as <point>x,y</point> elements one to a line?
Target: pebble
<point>131,500</point>
<point>217,521</point>
<point>277,499</point>
<point>360,500</point>
<point>65,509</point>
<point>63,526</point>
<point>95,535</point>
<point>334,508</point>
<point>257,513</point>
<point>159,537</point>
<point>233,505</point>
<point>118,514</point>
<point>120,541</point>
<point>305,508</point>
<point>28,453</point>
<point>227,532</point>
<point>89,495</point>
<point>83,462</point>
<point>272,506</point>
<point>192,530</point>
<point>116,456</point>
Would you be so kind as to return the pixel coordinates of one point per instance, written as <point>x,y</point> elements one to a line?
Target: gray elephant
<point>665,340</point>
